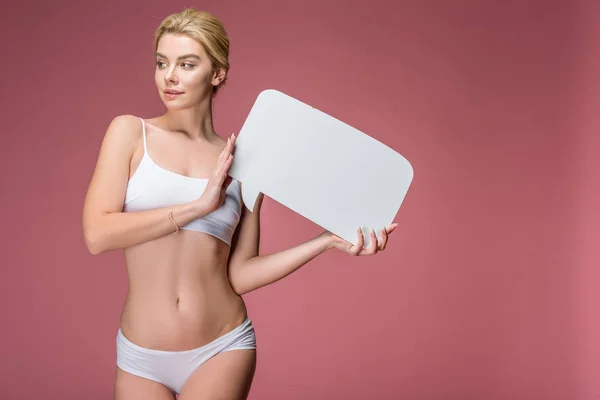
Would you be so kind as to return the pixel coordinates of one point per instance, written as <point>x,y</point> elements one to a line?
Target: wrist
<point>327,240</point>
<point>199,208</point>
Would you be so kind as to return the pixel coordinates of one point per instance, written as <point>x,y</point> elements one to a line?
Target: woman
<point>161,192</point>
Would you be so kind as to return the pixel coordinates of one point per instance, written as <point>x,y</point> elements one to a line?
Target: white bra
<point>152,186</point>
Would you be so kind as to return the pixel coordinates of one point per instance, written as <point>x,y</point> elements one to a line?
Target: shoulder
<point>125,130</point>
<point>126,125</point>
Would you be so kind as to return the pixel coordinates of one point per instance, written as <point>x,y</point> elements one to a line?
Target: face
<point>182,65</point>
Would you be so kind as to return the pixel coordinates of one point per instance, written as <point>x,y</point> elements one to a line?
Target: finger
<point>231,142</point>
<point>374,244</point>
<point>225,152</point>
<point>384,239</point>
<point>227,182</point>
<point>222,170</point>
<point>360,243</point>
<point>223,158</point>
<point>392,227</point>
<point>227,164</point>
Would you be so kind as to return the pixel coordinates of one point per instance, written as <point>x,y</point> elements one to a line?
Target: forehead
<point>173,46</point>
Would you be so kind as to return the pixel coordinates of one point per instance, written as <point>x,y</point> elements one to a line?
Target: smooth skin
<point>185,288</point>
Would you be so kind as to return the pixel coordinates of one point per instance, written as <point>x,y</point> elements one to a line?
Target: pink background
<point>489,285</point>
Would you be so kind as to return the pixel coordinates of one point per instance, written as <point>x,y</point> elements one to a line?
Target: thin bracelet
<point>173,219</point>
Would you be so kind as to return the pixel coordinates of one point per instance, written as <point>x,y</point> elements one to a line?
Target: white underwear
<point>173,368</point>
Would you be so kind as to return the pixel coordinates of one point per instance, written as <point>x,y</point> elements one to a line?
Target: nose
<point>170,75</point>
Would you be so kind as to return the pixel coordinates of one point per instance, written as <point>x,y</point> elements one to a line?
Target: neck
<point>195,122</point>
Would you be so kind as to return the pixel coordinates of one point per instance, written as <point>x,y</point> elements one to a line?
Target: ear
<point>218,76</point>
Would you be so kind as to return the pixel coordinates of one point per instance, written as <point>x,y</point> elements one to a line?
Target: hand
<point>213,196</point>
<point>358,250</point>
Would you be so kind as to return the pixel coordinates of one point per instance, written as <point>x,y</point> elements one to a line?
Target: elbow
<point>241,292</point>
<point>95,235</point>
<point>236,286</point>
<point>93,243</point>
<point>239,279</point>
<point>95,250</point>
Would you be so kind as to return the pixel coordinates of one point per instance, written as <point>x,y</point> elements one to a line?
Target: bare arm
<point>245,243</point>
<point>105,226</point>
<point>249,271</point>
<point>260,271</point>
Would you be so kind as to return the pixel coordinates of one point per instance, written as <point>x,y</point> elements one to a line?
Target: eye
<point>188,65</point>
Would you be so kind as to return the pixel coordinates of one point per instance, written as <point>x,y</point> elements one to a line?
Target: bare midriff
<point>179,295</point>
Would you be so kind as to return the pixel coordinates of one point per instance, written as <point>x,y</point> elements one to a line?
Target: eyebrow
<point>191,55</point>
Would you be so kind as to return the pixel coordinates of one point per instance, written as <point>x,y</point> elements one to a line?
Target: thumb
<point>227,181</point>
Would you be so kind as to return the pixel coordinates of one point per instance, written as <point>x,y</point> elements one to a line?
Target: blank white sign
<point>318,166</point>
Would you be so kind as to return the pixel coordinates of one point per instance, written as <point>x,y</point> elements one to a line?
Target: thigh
<point>228,375</point>
<point>133,387</point>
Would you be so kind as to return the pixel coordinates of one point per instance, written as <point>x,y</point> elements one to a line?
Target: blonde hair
<point>205,29</point>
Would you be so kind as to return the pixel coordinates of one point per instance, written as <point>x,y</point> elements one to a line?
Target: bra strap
<point>144,135</point>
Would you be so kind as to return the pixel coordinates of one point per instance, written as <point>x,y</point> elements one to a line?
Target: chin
<point>175,104</point>
<point>175,107</point>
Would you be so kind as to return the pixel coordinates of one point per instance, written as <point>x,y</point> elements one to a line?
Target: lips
<point>172,91</point>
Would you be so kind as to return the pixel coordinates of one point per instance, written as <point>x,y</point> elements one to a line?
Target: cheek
<point>200,82</point>
<point>159,77</point>
<point>200,78</point>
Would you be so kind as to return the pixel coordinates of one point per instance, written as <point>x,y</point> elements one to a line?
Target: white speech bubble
<point>319,167</point>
